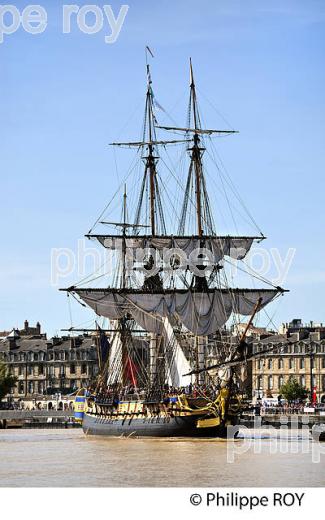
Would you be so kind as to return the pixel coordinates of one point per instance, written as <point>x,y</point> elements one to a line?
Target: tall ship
<point>168,365</point>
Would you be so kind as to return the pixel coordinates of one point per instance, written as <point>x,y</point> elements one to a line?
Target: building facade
<point>298,354</point>
<point>48,366</point>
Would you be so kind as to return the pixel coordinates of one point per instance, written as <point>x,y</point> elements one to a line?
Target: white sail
<point>202,313</point>
<point>234,247</point>
<point>178,364</point>
<point>115,359</point>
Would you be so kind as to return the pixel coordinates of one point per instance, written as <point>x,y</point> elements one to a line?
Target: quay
<point>277,417</point>
<point>36,418</point>
<point>65,419</point>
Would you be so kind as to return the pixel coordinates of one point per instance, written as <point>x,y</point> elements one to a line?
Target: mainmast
<point>150,158</point>
<point>124,238</point>
<point>196,155</point>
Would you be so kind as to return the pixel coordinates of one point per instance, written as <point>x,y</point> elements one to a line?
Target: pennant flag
<point>148,49</point>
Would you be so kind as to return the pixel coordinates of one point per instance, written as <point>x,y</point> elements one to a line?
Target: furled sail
<point>202,313</point>
<point>115,358</point>
<point>178,365</point>
<point>234,247</point>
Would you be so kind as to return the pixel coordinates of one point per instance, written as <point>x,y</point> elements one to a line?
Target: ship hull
<point>149,427</point>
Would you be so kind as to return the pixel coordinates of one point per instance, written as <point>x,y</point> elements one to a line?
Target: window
<point>29,370</point>
<point>302,363</point>
<point>72,369</point>
<point>280,363</point>
<point>21,388</point>
<point>35,357</point>
<point>30,387</point>
<point>40,370</point>
<point>281,381</point>
<point>259,364</point>
<point>323,383</point>
<point>84,369</point>
<point>260,382</point>
<point>291,363</point>
<point>314,380</point>
<point>269,364</point>
<point>312,362</point>
<point>20,370</point>
<point>323,362</point>
<point>270,383</point>
<point>302,381</point>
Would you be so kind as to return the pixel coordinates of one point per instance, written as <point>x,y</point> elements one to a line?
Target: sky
<point>64,97</point>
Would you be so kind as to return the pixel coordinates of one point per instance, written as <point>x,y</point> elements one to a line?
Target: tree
<point>7,381</point>
<point>292,390</point>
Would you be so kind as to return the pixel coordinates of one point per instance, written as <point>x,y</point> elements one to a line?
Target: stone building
<point>48,366</point>
<point>26,331</point>
<point>300,354</point>
<point>297,325</point>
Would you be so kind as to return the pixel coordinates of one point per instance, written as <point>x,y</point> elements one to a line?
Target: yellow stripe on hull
<point>208,423</point>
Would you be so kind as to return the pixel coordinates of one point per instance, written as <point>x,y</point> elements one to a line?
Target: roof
<point>38,344</point>
<point>13,334</point>
<point>284,338</point>
<point>273,338</point>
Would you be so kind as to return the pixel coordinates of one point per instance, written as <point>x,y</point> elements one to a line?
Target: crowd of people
<point>116,393</point>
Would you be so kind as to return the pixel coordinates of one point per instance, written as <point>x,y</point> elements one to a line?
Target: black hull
<point>149,427</point>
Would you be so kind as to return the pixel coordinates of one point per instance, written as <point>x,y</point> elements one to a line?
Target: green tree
<point>7,382</point>
<point>292,390</point>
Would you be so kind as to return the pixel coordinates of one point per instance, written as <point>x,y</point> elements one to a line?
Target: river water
<point>69,458</point>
